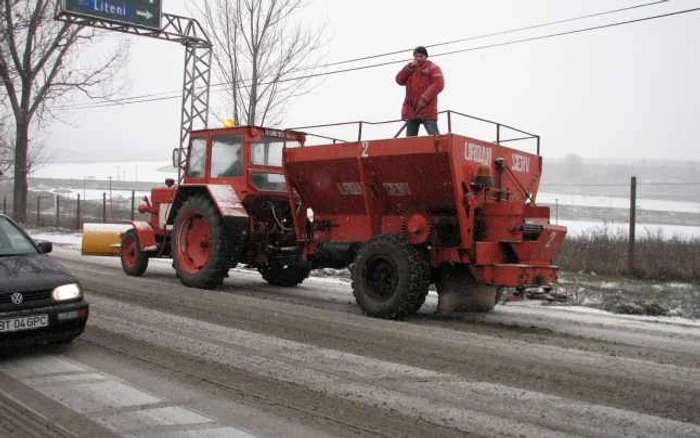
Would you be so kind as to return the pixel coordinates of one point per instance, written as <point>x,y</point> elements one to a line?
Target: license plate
<point>24,323</point>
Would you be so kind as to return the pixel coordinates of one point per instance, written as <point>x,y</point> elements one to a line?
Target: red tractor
<point>402,213</point>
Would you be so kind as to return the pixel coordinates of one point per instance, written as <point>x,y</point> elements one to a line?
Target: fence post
<point>104,207</point>
<point>633,223</point>
<point>58,211</point>
<point>4,204</point>
<point>133,203</point>
<point>38,211</point>
<point>77,214</point>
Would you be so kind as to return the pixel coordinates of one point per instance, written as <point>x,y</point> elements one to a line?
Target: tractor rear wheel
<point>459,292</point>
<point>285,276</point>
<point>201,248</point>
<point>134,261</point>
<point>390,278</point>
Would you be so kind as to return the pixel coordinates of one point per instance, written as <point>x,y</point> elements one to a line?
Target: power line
<point>572,32</point>
<point>154,97</point>
<point>132,101</point>
<point>503,32</point>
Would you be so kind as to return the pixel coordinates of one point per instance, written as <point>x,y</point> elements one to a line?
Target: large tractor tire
<point>134,261</point>
<point>284,276</point>
<point>390,278</point>
<point>201,245</point>
<point>459,292</point>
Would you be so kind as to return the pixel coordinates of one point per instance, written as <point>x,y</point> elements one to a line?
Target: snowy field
<point>90,194</point>
<point>615,202</point>
<point>136,171</point>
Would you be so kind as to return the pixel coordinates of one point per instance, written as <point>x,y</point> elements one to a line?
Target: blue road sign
<point>140,13</point>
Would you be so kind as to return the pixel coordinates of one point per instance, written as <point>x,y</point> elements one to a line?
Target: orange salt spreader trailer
<point>401,213</point>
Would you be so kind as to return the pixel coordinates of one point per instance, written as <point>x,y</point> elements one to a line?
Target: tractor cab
<point>247,158</point>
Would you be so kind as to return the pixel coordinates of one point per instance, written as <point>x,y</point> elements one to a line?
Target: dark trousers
<point>412,125</point>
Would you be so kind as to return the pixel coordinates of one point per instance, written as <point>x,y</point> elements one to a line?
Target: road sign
<point>140,13</point>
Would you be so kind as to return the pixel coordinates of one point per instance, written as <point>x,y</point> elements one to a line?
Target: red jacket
<point>423,84</point>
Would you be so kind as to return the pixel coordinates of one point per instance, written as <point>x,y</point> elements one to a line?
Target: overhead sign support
<point>145,18</point>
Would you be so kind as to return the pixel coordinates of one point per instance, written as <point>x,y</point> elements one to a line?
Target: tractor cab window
<point>268,152</point>
<point>198,153</point>
<point>227,156</point>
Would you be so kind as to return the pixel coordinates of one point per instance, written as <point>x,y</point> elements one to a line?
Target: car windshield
<point>13,241</point>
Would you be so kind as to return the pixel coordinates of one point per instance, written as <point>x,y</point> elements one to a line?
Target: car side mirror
<point>44,246</point>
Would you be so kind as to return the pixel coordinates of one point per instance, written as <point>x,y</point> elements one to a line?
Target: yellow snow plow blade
<point>103,239</point>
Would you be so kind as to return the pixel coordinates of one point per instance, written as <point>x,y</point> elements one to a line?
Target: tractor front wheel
<point>284,276</point>
<point>134,261</point>
<point>201,248</point>
<point>390,278</point>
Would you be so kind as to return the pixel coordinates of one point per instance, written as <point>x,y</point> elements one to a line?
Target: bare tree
<point>39,66</point>
<point>259,49</point>
<point>5,146</point>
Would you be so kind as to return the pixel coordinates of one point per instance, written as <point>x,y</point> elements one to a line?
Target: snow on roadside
<point>587,298</point>
<point>63,238</point>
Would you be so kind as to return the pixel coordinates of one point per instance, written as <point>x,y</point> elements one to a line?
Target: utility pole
<point>633,223</point>
<point>110,196</point>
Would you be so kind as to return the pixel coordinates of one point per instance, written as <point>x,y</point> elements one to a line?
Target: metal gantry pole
<point>197,76</point>
<point>195,97</point>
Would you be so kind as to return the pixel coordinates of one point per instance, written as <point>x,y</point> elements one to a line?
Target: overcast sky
<point>630,92</point>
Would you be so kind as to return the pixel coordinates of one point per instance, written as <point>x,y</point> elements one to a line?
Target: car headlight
<point>66,293</point>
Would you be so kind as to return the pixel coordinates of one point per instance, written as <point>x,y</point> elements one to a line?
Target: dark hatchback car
<point>40,302</point>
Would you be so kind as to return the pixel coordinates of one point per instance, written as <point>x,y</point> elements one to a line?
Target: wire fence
<point>72,211</point>
<point>658,206</point>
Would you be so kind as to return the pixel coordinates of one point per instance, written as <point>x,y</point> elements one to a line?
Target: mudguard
<point>146,235</point>
<point>227,200</point>
<point>223,196</point>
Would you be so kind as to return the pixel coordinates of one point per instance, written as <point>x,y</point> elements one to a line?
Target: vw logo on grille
<point>17,298</point>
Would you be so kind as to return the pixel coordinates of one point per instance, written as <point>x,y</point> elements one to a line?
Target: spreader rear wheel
<point>285,276</point>
<point>390,278</point>
<point>200,246</point>
<point>134,261</point>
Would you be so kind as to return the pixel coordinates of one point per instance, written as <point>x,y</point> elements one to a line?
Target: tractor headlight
<point>66,293</point>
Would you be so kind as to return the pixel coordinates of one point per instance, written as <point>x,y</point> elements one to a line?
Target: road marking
<point>111,402</point>
<point>448,400</point>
